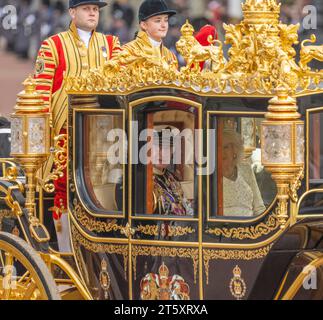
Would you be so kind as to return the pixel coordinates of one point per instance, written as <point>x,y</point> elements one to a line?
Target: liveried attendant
<point>70,53</point>
<point>153,21</point>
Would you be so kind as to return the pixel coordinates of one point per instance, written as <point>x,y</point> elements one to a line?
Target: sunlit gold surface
<point>261,57</point>
<point>26,287</point>
<point>282,111</point>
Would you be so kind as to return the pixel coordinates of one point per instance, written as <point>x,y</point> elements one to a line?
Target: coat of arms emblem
<point>237,285</point>
<point>161,286</point>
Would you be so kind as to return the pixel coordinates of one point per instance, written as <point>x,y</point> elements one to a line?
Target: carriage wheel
<point>23,274</point>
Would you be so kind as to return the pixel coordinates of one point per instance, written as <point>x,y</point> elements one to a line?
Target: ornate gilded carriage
<point>121,248</point>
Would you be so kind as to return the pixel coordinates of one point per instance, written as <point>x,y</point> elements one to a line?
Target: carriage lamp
<point>283,149</point>
<point>30,137</point>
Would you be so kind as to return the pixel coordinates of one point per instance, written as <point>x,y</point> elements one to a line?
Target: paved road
<point>13,72</point>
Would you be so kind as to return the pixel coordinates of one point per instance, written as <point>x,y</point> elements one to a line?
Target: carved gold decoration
<point>309,53</point>
<point>251,233</point>
<point>60,163</point>
<point>194,53</point>
<point>9,201</point>
<point>173,231</point>
<point>128,231</point>
<point>296,184</point>
<point>148,230</point>
<point>189,253</point>
<point>178,231</point>
<point>93,224</point>
<point>9,170</point>
<point>261,58</point>
<point>123,250</point>
<point>281,155</point>
<point>238,287</point>
<point>247,255</point>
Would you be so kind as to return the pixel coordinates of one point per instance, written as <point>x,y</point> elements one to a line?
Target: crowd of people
<point>36,22</point>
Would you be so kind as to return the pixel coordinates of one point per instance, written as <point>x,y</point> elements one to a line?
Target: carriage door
<point>164,198</point>
<point>311,202</point>
<point>97,188</point>
<point>241,223</point>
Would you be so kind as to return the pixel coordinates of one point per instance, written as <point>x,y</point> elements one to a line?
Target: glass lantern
<point>30,140</point>
<point>283,148</point>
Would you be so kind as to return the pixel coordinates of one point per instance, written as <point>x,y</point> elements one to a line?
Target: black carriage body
<point>216,257</point>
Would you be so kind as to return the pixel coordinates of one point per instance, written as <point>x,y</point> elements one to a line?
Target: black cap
<point>151,8</point>
<point>76,3</point>
<point>4,122</point>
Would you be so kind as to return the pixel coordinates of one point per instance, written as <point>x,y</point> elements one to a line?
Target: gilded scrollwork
<point>261,57</point>
<point>153,251</point>
<point>178,231</point>
<point>123,250</point>
<point>93,224</point>
<point>250,233</point>
<point>10,170</point>
<point>296,184</point>
<point>223,254</point>
<point>148,230</point>
<point>60,163</point>
<point>173,231</point>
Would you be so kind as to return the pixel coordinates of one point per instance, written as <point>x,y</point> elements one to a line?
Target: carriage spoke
<point>24,277</point>
<point>7,276</point>
<point>1,259</point>
<point>30,290</point>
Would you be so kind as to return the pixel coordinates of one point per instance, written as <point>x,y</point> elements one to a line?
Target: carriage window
<point>316,150</point>
<point>165,182</point>
<point>103,164</point>
<point>312,203</point>
<point>240,185</point>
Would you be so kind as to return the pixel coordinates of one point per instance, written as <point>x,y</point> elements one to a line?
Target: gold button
<point>83,53</point>
<point>85,65</point>
<point>80,44</point>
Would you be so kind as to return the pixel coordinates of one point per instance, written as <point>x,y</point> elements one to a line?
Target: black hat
<point>4,122</point>
<point>76,3</point>
<point>151,8</point>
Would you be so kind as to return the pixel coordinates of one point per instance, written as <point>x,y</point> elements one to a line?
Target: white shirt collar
<point>155,43</point>
<point>85,36</point>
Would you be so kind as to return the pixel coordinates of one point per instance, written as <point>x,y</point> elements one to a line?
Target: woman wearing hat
<point>153,21</point>
<point>168,195</point>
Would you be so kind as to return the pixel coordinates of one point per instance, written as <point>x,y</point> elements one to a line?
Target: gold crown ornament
<point>261,12</point>
<point>187,30</point>
<point>163,271</point>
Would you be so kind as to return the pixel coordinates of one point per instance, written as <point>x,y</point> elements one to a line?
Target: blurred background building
<point>37,19</point>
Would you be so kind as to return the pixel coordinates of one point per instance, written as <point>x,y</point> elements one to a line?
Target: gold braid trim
<point>247,255</point>
<point>123,250</point>
<point>189,253</point>
<point>251,233</point>
<point>92,224</point>
<point>176,231</point>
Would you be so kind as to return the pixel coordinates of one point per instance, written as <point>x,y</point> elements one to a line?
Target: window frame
<point>79,179</point>
<point>228,219</point>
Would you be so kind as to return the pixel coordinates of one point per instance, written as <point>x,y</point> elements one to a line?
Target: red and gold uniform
<point>65,54</point>
<point>142,44</point>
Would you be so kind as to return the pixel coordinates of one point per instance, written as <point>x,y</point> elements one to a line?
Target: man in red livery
<point>70,53</point>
